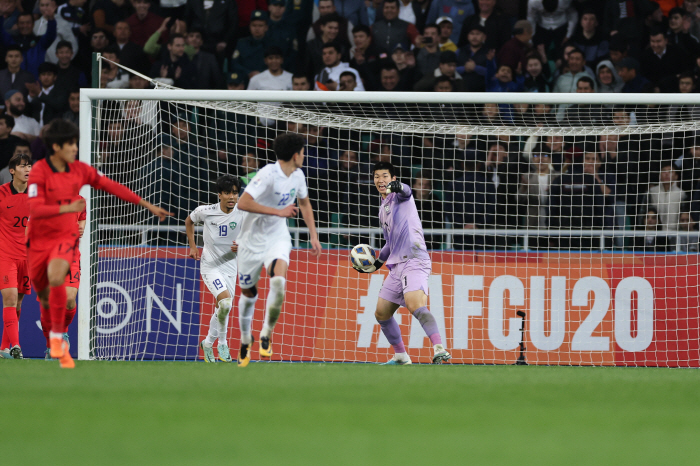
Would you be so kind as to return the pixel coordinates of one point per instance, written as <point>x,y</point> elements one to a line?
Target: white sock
<point>246,309</point>
<point>213,333</point>
<point>401,357</point>
<point>55,335</point>
<point>275,299</point>
<point>225,306</point>
<point>438,348</point>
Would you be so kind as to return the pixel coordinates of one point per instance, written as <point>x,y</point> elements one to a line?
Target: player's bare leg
<point>275,299</point>
<point>417,304</point>
<point>390,328</point>
<point>57,271</point>
<point>218,329</point>
<point>10,315</point>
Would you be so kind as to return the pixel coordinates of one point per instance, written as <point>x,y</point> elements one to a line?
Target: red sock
<point>45,318</point>
<point>70,313</point>
<point>57,305</point>
<point>9,317</point>
<point>5,342</point>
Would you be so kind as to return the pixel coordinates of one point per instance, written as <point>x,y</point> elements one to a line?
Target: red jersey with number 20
<point>14,212</point>
<point>49,189</point>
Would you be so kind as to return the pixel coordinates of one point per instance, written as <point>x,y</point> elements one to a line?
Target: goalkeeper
<point>409,263</point>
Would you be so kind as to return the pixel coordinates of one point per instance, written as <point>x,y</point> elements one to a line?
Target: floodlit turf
<point>177,413</point>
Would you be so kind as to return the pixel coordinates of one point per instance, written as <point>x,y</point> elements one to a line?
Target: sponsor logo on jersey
<point>32,191</point>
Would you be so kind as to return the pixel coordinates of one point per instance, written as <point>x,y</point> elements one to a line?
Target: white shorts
<point>218,282</point>
<point>250,264</point>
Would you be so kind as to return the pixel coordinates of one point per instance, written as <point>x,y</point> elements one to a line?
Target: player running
<point>409,264</point>
<point>221,227</point>
<point>14,284</point>
<point>72,284</point>
<point>265,239</point>
<point>53,235</point>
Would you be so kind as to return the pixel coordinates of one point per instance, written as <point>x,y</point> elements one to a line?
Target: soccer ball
<point>362,256</point>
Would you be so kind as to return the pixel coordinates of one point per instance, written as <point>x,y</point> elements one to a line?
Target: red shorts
<point>66,249</point>
<point>14,273</point>
<point>73,277</point>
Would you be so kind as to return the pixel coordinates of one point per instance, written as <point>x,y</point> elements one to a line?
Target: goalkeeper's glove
<point>376,266</point>
<point>394,187</point>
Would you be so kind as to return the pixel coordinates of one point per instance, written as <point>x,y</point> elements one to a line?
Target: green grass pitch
<point>183,413</point>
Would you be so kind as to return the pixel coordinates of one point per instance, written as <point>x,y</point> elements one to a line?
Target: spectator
<point>390,30</point>
<point>248,168</point>
<point>143,23</point>
<point>553,21</point>
<point>281,33</point>
<point>676,33</point>
<point>25,127</point>
<point>429,208</point>
<point>585,114</point>
<point>634,82</point>
<point>576,70</point>
<point>113,76</point>
<point>428,57</point>
<point>495,25</point>
<point>106,13</point>
<point>301,82</point>
<point>14,77</point>
<point>314,48</point>
<point>618,50</point>
<point>69,76</point>
<point>10,13</point>
<point>688,164</point>
<point>607,77</point>
<point>64,30</point>
<point>579,200</point>
<point>667,197</point>
<point>447,67</point>
<point>98,42</point>
<point>162,35</point>
<point>590,38</point>
<point>209,74</point>
<point>248,59</point>
<point>534,192</point>
<point>274,78</point>
<point>652,241</point>
<point>389,78</point>
<point>73,112</point>
<point>344,37</point>
<point>193,162</point>
<point>625,19</point>
<point>420,8</point>
<point>406,63</point>
<point>33,48</point>
<point>457,10</point>
<point>502,81</point>
<point>677,113</point>
<point>47,100</point>
<point>246,8</point>
<point>348,81</point>
<point>216,21</point>
<point>446,27</point>
<point>329,77</point>
<point>354,10</point>
<point>692,20</point>
<point>686,224</point>
<point>476,59</point>
<point>366,56</point>
<point>662,61</point>
<point>535,79</point>
<point>174,67</point>
<point>515,51</point>
<point>130,54</point>
<point>8,141</point>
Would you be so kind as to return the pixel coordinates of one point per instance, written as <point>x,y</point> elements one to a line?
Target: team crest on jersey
<point>233,225</point>
<point>292,192</point>
<point>386,209</point>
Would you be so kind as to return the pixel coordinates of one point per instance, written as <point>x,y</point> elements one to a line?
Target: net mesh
<point>562,234</point>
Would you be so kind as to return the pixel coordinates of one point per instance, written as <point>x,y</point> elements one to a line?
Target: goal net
<point>562,228</point>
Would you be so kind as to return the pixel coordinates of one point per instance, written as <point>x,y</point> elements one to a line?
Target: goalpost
<point>556,237</point>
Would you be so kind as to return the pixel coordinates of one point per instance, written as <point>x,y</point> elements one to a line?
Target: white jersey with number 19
<point>271,188</point>
<point>220,231</point>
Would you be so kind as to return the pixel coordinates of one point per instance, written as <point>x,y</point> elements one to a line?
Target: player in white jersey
<point>222,225</point>
<point>265,240</point>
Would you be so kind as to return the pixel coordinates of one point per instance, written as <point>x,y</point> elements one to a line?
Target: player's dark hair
<point>288,144</point>
<point>59,132</point>
<point>226,183</point>
<point>9,120</point>
<point>384,166</point>
<point>18,159</point>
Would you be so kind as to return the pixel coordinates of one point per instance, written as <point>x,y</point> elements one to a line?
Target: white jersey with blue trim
<point>220,231</point>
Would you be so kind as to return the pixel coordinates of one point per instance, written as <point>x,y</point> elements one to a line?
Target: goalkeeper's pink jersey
<point>403,231</point>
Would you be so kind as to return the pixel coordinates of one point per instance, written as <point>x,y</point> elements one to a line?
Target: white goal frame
<point>87,129</point>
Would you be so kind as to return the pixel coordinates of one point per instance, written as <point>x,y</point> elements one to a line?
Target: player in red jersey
<point>72,284</point>
<point>53,237</point>
<point>14,276</point>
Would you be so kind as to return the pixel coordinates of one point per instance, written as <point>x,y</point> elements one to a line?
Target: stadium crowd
<point>616,181</point>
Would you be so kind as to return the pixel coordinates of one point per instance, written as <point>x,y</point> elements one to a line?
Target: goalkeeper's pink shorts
<point>404,277</point>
